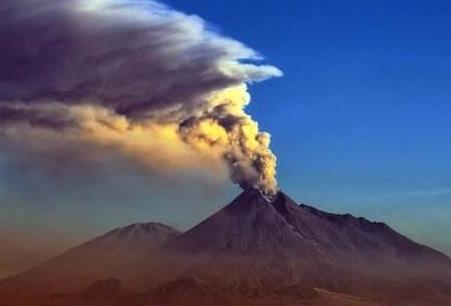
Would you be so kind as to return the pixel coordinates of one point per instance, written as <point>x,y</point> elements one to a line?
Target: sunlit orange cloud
<point>141,80</point>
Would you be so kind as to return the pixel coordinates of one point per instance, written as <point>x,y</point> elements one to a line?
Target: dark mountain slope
<point>254,245</point>
<point>250,225</point>
<point>253,225</point>
<point>121,253</point>
<point>135,239</point>
<point>279,242</point>
<point>345,236</point>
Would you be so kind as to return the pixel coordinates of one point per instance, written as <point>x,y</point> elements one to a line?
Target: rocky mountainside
<point>254,249</point>
<point>304,241</point>
<point>122,253</point>
<point>248,226</point>
<point>253,224</point>
<point>138,238</point>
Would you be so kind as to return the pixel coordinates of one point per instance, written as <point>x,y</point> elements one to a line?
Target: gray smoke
<point>137,77</point>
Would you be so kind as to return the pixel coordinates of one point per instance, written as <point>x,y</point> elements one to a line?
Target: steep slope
<point>250,225</point>
<point>279,242</point>
<point>120,253</point>
<point>248,239</point>
<point>255,245</point>
<point>135,239</point>
<point>354,239</point>
<point>254,225</point>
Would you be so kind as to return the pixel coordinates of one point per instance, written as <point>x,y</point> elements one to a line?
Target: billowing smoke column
<point>81,77</point>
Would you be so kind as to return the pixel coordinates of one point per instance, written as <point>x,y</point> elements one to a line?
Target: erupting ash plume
<point>82,77</point>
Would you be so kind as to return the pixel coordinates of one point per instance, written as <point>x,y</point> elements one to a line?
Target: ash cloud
<point>134,77</point>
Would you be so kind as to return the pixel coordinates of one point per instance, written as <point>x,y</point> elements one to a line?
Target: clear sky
<point>360,123</point>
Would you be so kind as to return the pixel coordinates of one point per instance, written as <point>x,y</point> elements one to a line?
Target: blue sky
<point>361,120</point>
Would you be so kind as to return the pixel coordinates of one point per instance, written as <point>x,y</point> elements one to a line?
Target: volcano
<point>259,246</point>
<point>279,242</point>
<point>255,225</point>
<point>120,253</point>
